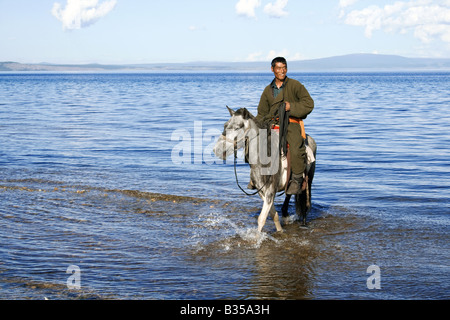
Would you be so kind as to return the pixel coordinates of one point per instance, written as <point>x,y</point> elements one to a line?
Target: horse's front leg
<point>268,203</point>
<point>267,208</point>
<point>276,218</point>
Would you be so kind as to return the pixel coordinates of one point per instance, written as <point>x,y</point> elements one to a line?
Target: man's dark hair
<point>278,59</point>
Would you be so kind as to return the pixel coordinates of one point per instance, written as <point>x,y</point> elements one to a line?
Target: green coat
<point>301,105</point>
<point>293,92</point>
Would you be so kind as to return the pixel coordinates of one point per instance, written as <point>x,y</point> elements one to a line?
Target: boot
<point>295,185</point>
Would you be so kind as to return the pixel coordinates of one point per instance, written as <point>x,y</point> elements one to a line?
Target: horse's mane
<point>248,115</point>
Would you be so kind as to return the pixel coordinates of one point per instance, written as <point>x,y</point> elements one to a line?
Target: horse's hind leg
<point>300,207</point>
<point>284,208</point>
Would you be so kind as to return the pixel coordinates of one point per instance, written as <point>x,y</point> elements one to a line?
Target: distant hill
<point>16,66</point>
<point>351,62</point>
<point>371,62</point>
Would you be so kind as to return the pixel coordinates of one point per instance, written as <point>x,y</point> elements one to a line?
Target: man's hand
<point>288,106</point>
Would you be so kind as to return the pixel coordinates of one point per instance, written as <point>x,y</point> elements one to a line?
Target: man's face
<point>279,71</point>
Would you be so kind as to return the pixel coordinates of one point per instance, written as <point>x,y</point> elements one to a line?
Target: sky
<point>148,31</point>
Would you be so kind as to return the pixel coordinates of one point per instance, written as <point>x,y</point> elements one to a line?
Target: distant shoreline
<point>193,72</point>
<point>346,63</point>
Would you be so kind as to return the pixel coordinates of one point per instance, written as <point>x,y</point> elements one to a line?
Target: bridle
<point>235,142</point>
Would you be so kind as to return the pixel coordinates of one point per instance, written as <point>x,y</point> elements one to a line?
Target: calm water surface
<point>88,179</point>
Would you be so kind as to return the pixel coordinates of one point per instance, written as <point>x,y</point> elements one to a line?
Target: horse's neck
<point>253,125</point>
<point>263,146</point>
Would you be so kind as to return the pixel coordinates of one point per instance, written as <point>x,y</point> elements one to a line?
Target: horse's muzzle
<point>222,149</point>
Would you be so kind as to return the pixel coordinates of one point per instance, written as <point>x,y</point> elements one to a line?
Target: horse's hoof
<point>304,226</point>
<point>279,235</point>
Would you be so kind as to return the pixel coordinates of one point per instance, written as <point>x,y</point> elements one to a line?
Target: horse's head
<point>234,133</point>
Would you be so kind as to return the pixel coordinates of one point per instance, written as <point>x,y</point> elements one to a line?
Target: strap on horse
<point>237,182</point>
<point>283,119</point>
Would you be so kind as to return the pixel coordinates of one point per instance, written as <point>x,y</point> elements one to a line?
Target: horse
<point>268,174</point>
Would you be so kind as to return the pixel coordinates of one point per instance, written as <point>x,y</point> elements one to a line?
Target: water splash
<point>232,234</point>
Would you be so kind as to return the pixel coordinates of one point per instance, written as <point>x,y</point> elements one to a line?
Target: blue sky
<point>148,31</point>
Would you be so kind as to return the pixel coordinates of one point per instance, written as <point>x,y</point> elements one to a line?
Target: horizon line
<point>214,61</point>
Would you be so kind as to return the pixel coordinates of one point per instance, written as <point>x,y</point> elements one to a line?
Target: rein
<point>237,182</point>
<point>235,142</point>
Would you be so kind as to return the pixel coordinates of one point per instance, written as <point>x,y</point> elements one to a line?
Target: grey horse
<point>268,165</point>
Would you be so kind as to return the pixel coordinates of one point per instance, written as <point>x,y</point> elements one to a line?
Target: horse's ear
<point>230,111</point>
<point>245,113</point>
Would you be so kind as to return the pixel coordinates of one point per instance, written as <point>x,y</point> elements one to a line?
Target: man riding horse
<point>299,104</point>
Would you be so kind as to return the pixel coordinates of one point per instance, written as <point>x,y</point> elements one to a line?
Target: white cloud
<point>259,56</point>
<point>81,13</point>
<point>247,7</point>
<point>255,56</point>
<point>346,3</point>
<point>196,28</point>
<point>284,53</point>
<point>276,10</point>
<point>427,20</point>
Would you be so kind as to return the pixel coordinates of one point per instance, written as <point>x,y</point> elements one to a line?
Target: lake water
<point>91,181</point>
